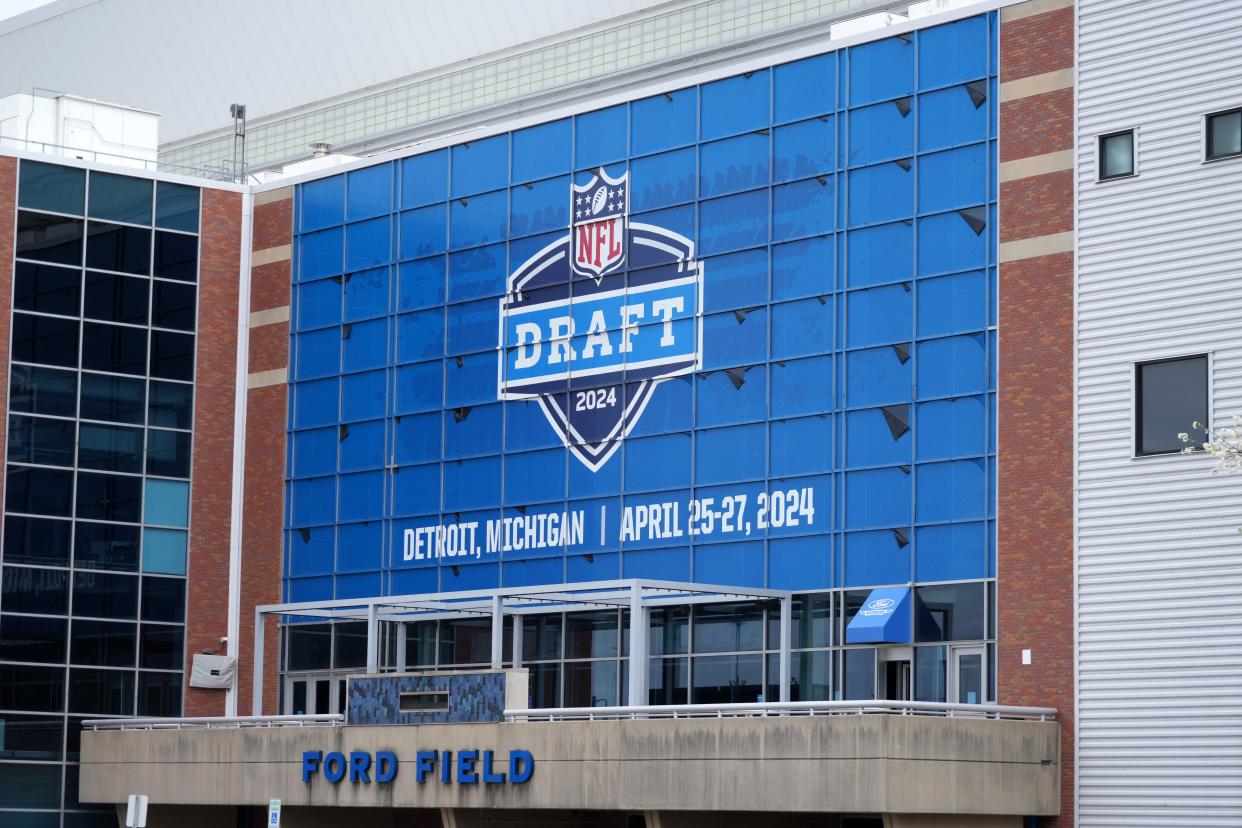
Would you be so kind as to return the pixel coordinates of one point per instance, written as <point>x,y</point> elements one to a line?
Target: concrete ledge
<point>271,316</point>
<point>1034,165</point>
<point>1032,8</point>
<point>1027,87</point>
<point>265,379</point>
<point>1036,246</point>
<point>280,253</point>
<point>827,764</point>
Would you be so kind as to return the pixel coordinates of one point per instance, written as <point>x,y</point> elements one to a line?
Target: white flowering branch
<point>1225,445</point>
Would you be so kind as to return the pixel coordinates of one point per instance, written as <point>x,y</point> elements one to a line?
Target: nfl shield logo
<point>598,226</point>
<point>592,324</point>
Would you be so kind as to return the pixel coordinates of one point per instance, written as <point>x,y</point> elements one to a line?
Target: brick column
<point>266,415</point>
<point>1035,509</point>
<point>211,484</point>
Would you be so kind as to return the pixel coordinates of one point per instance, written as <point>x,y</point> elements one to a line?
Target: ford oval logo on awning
<point>881,603</point>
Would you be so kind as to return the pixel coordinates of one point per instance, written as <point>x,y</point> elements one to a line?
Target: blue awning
<point>884,618</point>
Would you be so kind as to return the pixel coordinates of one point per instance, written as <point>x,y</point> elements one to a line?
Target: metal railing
<point>763,709</point>
<point>216,722</point>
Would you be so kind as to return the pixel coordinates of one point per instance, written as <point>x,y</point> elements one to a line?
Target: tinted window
<point>49,238</point>
<point>116,298</point>
<point>31,737</point>
<point>36,540</point>
<point>52,187</point>
<point>40,440</point>
<point>45,339</point>
<point>118,247</point>
<point>103,643</point>
<point>101,691</point>
<point>24,638</point>
<point>168,453</point>
<point>950,612</point>
<point>38,491</point>
<point>159,694</point>
<point>176,256</point>
<point>727,627</point>
<point>118,399</point>
<point>172,355</point>
<point>109,497</point>
<point>46,288</point>
<point>43,391</point>
<point>173,306</point>
<point>41,591</point>
<point>110,448</point>
<point>1117,155</point>
<point>32,688</point>
<point>114,348</point>
<point>120,198</point>
<point>104,595</point>
<point>309,646</point>
<point>1172,395</point>
<point>105,546</point>
<point>162,647</point>
<point>171,404</point>
<point>176,206</point>
<point>163,599</point>
<point>1224,138</point>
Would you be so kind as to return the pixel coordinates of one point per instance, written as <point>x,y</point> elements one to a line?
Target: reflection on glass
<point>858,674</point>
<point>591,683</point>
<point>667,680</point>
<point>930,673</point>
<point>726,679</point>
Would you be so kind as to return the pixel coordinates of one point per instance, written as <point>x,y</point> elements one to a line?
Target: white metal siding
<point>1159,556</point>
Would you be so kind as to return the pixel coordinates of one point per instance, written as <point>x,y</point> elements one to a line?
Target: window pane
<point>43,391</point>
<point>590,635</point>
<point>541,637</point>
<point>159,694</point>
<point>30,786</point>
<point>116,298</point>
<point>591,683</point>
<point>163,552</point>
<point>727,679</point>
<point>36,540</point>
<point>162,647</point>
<point>1117,155</point>
<point>930,673</point>
<point>725,628</point>
<point>950,612</point>
<point>40,440</point>
<point>163,599</point>
<point>31,737</point>
<point>466,642</point>
<point>109,497</point>
<point>32,688</point>
<point>38,491</point>
<point>120,198</point>
<point>42,591</point>
<point>104,595</point>
<point>545,680</point>
<point>46,288</point>
<point>176,256</point>
<point>667,681</point>
<point>310,647</point>
<point>168,453</point>
<point>45,339</point>
<point>1172,396</point>
<point>52,187</point>
<point>105,546</point>
<point>176,206</point>
<point>110,448</point>
<point>172,355</point>
<point>23,638</point>
<point>168,503</point>
<point>118,247</point>
<point>171,405</point>
<point>859,678</point>
<point>103,643</point>
<point>49,238</point>
<point>173,306</point>
<point>114,348</point>
<point>101,691</point>
<point>351,645</point>
<point>118,399</point>
<point>669,631</point>
<point>1225,134</point>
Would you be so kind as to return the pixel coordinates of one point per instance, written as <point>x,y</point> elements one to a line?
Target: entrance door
<point>314,694</point>
<point>968,675</point>
<point>893,673</point>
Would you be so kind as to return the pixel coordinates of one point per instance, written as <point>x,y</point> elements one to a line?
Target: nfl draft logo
<point>591,324</point>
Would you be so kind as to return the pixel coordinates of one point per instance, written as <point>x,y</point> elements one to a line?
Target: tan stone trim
<point>1032,8</point>
<point>266,379</point>
<point>280,253</point>
<point>1034,165</point>
<point>272,196</point>
<point>271,316</point>
<point>1031,248</point>
<point>1037,84</point>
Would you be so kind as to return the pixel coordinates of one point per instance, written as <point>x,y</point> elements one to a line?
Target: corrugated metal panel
<point>1159,557</point>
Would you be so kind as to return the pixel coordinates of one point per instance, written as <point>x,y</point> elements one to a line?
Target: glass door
<point>314,694</point>
<point>968,675</point>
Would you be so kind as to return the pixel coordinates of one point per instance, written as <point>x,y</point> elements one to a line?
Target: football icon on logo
<point>597,203</point>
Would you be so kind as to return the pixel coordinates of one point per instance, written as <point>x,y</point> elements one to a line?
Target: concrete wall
<point>839,764</point>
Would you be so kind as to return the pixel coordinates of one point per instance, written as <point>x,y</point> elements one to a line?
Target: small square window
<point>1116,155</point>
<point>1224,134</point>
<point>1172,394</point>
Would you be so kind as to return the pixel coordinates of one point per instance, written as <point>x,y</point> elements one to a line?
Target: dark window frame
<point>1099,155</point>
<point>1208,155</point>
<point>1137,444</point>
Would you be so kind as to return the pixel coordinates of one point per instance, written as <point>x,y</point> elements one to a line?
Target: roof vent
<point>320,149</point>
<point>866,23</point>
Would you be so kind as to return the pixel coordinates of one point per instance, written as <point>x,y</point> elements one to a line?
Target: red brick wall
<point>1036,416</point>
<point>266,415</point>
<point>212,484</point>
<point>8,204</point>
